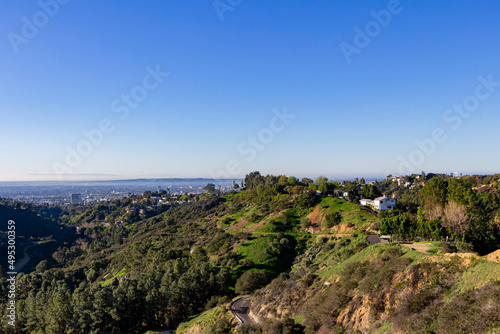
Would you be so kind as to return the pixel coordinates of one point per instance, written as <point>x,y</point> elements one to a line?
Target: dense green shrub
<point>332,219</point>
<point>250,281</point>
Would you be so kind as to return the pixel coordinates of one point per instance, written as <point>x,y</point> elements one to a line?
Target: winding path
<point>25,259</point>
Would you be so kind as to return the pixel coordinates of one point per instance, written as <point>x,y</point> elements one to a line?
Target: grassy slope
<point>207,318</point>
<point>474,275</point>
<point>478,275</point>
<point>239,221</point>
<point>258,249</point>
<point>351,213</point>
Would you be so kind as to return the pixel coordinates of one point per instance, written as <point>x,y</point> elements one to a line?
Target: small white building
<point>385,239</point>
<point>366,201</point>
<point>384,203</point>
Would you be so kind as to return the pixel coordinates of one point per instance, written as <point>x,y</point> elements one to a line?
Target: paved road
<point>240,308</point>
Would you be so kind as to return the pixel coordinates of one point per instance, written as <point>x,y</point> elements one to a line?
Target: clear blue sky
<point>227,76</point>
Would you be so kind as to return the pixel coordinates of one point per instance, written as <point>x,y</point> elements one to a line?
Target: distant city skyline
<point>186,89</point>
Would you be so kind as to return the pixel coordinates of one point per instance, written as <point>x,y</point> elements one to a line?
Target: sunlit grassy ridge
<point>250,218</point>
<point>208,318</point>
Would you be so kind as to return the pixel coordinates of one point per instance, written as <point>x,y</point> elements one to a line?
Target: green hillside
<point>41,235</point>
<point>27,223</point>
<point>298,247</point>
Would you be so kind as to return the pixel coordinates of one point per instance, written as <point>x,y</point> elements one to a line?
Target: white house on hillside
<point>384,203</point>
<point>379,203</point>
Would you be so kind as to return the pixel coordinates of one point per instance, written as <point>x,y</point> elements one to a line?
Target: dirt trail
<point>25,259</point>
<point>331,235</point>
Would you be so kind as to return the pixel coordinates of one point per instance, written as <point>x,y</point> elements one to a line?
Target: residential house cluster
<point>348,194</point>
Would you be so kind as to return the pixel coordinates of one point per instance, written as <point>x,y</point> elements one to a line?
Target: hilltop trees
<point>323,188</point>
<point>434,193</point>
<point>321,180</point>
<point>322,185</point>
<point>306,200</point>
<point>253,180</point>
<point>292,181</point>
<point>370,191</point>
<point>306,181</point>
<point>209,188</point>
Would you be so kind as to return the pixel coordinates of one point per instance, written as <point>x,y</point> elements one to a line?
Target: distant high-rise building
<point>76,198</point>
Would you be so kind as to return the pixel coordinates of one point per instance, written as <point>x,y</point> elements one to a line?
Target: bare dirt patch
<point>419,247</point>
<point>494,257</point>
<point>316,216</point>
<point>239,225</point>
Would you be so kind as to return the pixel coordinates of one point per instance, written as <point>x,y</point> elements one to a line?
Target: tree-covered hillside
<point>298,247</point>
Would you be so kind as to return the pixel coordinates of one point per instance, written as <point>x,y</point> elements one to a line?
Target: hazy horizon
<point>337,177</point>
